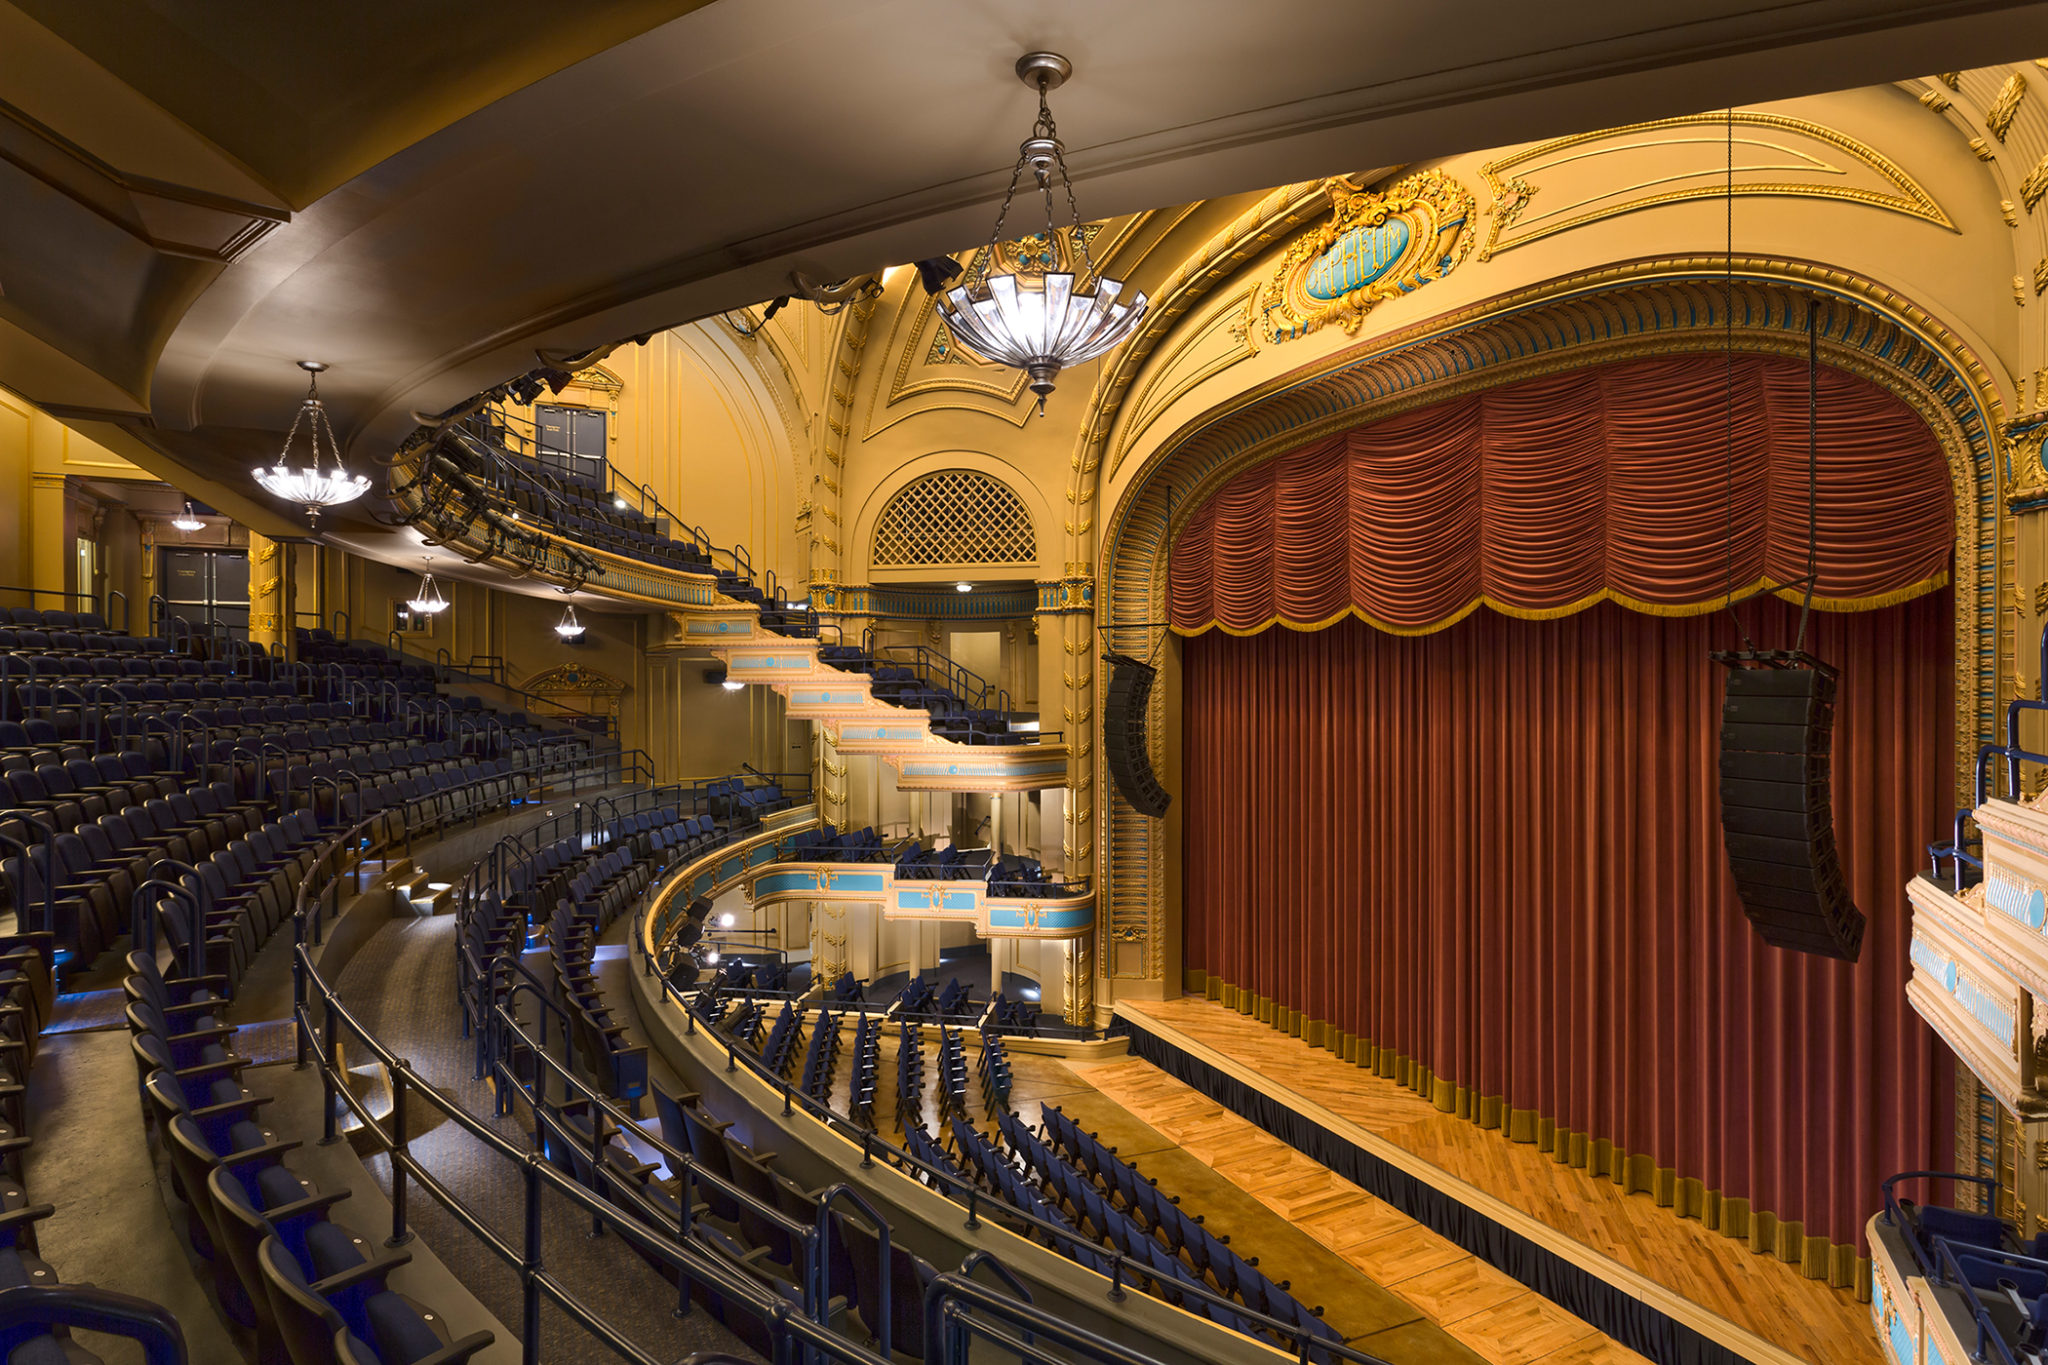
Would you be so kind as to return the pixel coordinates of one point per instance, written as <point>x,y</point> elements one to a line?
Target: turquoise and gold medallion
<point>1374,247</point>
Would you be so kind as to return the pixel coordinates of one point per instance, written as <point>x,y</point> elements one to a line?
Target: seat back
<point>306,1323</point>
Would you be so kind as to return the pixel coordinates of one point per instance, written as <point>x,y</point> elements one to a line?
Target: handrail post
<point>328,1134</point>
<point>686,1195</point>
<point>401,1153</point>
<point>530,1267</point>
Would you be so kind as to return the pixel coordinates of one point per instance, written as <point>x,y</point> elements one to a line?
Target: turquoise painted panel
<point>719,628</point>
<point>801,662</point>
<point>808,696</point>
<point>1036,768</point>
<point>907,899</point>
<point>1902,1342</point>
<point>2023,903</point>
<point>960,900</point>
<point>1356,259</point>
<point>1935,964</point>
<point>880,732</point>
<point>796,882</point>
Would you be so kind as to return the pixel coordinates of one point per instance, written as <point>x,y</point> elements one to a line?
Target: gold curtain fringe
<point>1621,599</point>
<point>1636,1172</point>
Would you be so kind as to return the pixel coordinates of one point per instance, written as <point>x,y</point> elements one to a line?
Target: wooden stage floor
<point>1759,1306</point>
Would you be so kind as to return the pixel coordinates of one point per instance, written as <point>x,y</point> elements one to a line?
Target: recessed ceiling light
<point>963,587</point>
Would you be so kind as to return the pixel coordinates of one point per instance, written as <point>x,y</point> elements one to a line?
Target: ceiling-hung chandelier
<point>187,521</point>
<point>308,485</point>
<point>1045,323</point>
<point>428,600</point>
<point>569,628</point>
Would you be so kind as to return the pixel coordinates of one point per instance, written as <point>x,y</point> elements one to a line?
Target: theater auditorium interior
<point>1023,684</point>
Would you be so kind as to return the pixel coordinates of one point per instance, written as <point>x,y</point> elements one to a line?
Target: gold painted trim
<point>1635,604</point>
<point>1511,192</point>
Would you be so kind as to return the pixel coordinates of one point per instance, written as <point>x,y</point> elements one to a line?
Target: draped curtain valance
<point>1541,497</point>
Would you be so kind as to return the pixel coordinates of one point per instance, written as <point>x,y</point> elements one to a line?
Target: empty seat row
<point>316,1290</point>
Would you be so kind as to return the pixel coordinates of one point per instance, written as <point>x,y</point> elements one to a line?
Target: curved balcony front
<point>455,490</point>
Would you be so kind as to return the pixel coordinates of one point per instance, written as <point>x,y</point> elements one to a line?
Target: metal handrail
<point>90,1309</point>
<point>687,1260</point>
<point>976,1200</point>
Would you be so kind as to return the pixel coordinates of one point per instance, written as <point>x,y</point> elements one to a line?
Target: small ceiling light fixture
<point>963,587</point>
<point>1042,325</point>
<point>569,628</point>
<point>308,485</point>
<point>731,686</point>
<point>187,521</point>
<point>619,503</point>
<point>428,600</point>
<point>727,920</point>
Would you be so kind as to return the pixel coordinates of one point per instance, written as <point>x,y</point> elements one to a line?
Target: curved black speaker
<point>1123,735</point>
<point>1777,815</point>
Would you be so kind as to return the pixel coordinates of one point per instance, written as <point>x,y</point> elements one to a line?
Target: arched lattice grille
<point>954,517</point>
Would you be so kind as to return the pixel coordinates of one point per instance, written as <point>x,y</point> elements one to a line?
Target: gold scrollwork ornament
<point>1374,247</point>
<point>2028,483</point>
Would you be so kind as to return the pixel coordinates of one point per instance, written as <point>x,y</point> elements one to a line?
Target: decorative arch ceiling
<point>422,157</point>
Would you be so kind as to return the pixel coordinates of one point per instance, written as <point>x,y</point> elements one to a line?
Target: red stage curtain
<point>1495,850</point>
<point>1541,497</point>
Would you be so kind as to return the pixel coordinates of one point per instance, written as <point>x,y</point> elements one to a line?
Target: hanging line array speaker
<point>1777,817</point>
<point>1123,735</point>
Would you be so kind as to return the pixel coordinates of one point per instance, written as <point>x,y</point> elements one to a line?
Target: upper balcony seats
<point>1019,877</point>
<point>901,685</point>
<point>827,844</point>
<point>1982,1258</point>
<point>950,863</point>
<point>733,799</point>
<point>850,658</point>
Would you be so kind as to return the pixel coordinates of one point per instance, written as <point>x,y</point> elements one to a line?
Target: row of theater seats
<point>27,996</point>
<point>1094,1190</point>
<point>589,884</point>
<point>910,1080</point>
<point>746,1214</point>
<point>952,1063</point>
<point>316,1290</point>
<point>579,506</point>
<point>867,1066</point>
<point>951,716</point>
<point>101,786</point>
<point>760,976</point>
<point>821,1057</point>
<point>951,863</point>
<point>829,844</point>
<point>2002,1275</point>
<point>736,800</point>
<point>923,998</point>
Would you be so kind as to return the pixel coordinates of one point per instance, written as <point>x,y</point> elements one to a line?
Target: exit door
<point>208,587</point>
<point>572,440</point>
